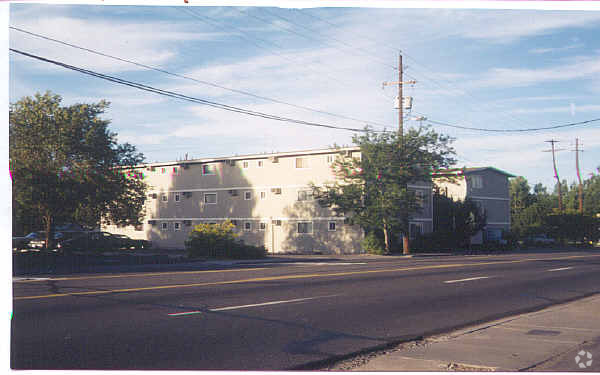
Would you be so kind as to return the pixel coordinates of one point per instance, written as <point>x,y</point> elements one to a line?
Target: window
<point>245,164</point>
<point>177,197</point>
<point>247,226</point>
<point>415,230</point>
<point>247,195</point>
<point>177,226</point>
<point>301,163</point>
<point>163,170</point>
<point>262,227</point>
<point>164,226</point>
<point>332,226</point>
<point>305,227</point>
<point>422,198</point>
<point>263,195</point>
<point>139,227</point>
<point>305,195</point>
<point>175,170</point>
<point>330,159</point>
<point>260,163</point>
<point>476,182</point>
<point>164,197</point>
<point>209,170</point>
<point>210,198</point>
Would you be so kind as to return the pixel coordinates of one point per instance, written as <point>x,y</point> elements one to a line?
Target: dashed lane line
<point>292,277</point>
<point>559,269</point>
<point>469,279</point>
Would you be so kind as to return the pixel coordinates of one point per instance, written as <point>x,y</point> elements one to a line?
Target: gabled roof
<point>465,171</point>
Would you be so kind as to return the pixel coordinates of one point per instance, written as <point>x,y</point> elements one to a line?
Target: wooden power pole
<point>400,83</point>
<point>577,151</point>
<point>553,150</point>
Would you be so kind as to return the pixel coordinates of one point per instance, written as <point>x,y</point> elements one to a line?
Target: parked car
<point>19,243</point>
<point>127,243</point>
<point>541,239</point>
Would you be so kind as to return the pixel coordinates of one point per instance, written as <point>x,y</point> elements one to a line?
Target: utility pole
<point>577,151</point>
<point>552,142</point>
<point>400,83</point>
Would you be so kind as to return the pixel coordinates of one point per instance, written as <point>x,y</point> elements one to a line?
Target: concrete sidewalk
<point>546,340</point>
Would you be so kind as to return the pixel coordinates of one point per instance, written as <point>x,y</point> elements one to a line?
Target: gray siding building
<point>486,186</point>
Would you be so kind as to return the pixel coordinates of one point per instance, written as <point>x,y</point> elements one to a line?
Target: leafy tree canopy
<point>67,166</point>
<point>373,189</point>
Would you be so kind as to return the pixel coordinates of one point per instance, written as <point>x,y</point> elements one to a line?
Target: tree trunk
<point>405,245</point>
<point>48,224</point>
<point>386,239</point>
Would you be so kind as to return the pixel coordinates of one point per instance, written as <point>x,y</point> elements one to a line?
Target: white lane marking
<point>269,303</point>
<point>325,263</point>
<point>185,313</point>
<point>469,279</point>
<point>31,278</point>
<point>559,269</point>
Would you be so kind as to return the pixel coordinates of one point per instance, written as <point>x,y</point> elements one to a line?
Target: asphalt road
<point>277,316</point>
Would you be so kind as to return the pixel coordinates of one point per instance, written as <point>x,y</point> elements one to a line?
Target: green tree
<point>374,188</point>
<point>457,220</point>
<point>591,195</point>
<point>67,166</point>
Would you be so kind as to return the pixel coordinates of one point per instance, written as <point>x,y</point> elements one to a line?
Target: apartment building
<point>267,197</point>
<point>486,186</point>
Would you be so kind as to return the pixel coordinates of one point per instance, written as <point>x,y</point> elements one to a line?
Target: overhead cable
<point>193,79</point>
<point>189,98</point>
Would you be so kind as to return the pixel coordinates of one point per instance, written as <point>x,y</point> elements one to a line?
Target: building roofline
<point>465,170</point>
<point>247,157</point>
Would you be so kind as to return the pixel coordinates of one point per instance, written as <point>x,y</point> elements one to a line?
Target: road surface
<point>277,316</point>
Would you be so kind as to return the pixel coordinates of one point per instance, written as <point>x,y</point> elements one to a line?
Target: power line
<point>193,79</point>
<point>512,130</point>
<point>448,84</point>
<point>229,27</point>
<point>188,98</point>
<point>373,57</point>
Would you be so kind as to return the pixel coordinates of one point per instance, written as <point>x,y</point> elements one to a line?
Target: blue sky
<point>484,68</point>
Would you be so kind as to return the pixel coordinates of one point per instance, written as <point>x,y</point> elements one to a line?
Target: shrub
<point>219,241</point>
<point>373,244</point>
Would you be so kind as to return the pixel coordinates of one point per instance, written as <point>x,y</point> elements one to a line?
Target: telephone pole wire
<point>553,150</point>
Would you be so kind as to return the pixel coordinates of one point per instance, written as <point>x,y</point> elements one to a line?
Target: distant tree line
<point>535,212</point>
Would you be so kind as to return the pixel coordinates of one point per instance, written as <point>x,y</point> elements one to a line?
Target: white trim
<point>491,198</point>
<point>234,188</point>
<point>332,218</point>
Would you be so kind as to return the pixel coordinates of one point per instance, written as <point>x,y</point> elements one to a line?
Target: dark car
<point>127,243</point>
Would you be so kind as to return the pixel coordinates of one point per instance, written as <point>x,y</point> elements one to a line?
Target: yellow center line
<point>291,277</point>
<point>135,275</point>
